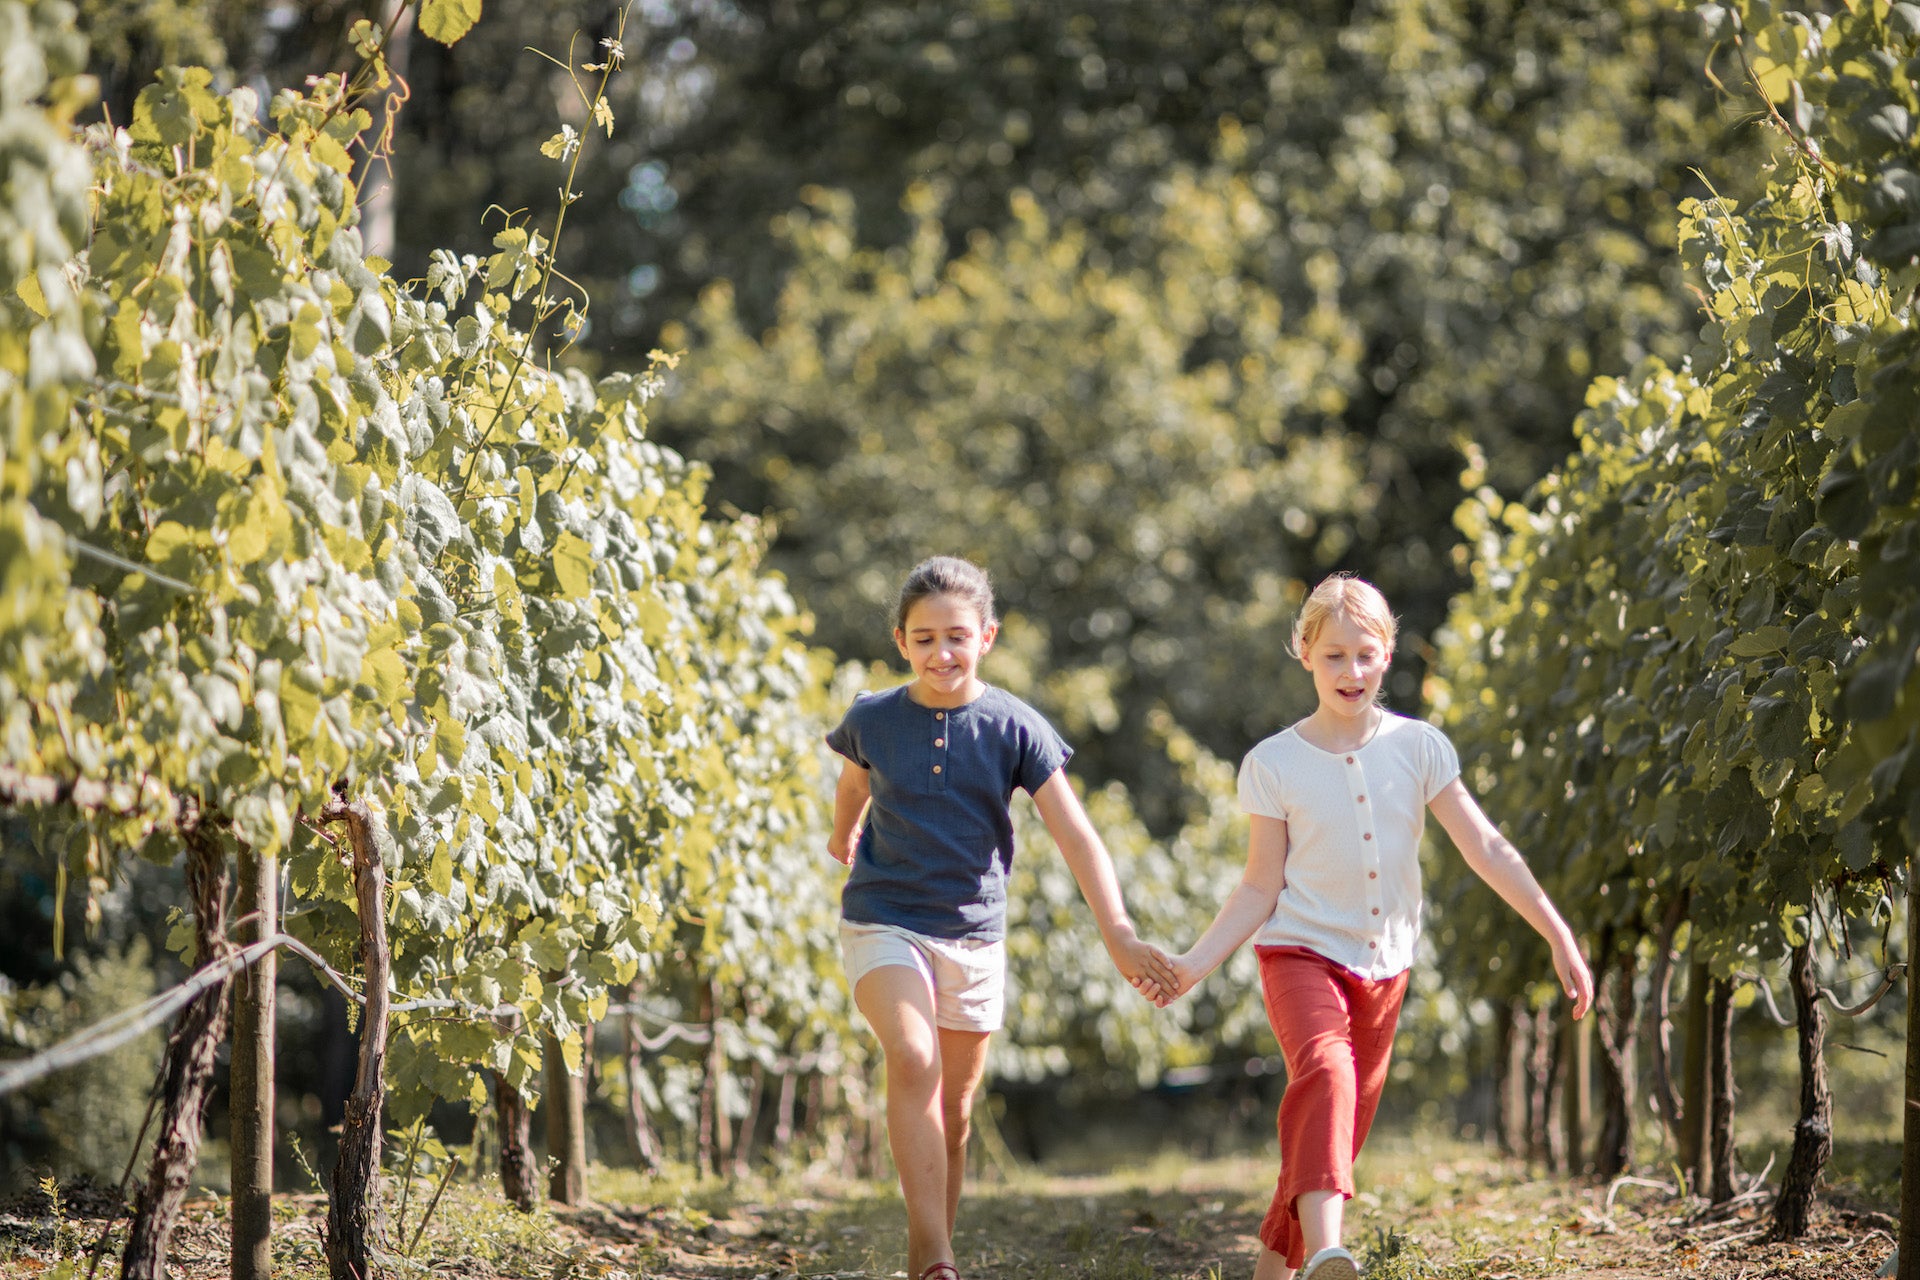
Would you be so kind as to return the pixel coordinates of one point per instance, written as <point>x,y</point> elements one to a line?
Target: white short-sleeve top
<point>1353,839</point>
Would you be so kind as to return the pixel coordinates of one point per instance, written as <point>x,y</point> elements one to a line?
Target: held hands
<point>1181,975</point>
<point>1575,978</point>
<point>1186,976</point>
<point>1146,967</point>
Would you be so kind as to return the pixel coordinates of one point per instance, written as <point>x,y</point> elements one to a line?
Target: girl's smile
<point>943,642</point>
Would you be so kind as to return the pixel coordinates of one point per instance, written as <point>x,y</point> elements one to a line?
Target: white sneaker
<point>1331,1263</point>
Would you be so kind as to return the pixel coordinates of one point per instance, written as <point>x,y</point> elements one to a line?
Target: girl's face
<point>1348,662</point>
<point>943,642</point>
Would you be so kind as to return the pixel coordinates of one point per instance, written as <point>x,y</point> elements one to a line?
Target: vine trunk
<point>187,1071</point>
<point>1813,1134</point>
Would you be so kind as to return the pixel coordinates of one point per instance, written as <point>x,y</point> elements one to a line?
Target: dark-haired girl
<point>932,766</point>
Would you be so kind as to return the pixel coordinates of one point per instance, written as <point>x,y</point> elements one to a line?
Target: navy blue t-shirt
<point>938,840</point>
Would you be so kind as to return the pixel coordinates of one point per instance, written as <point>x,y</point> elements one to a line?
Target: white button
<point>936,768</point>
<point>939,715</point>
<point>939,742</point>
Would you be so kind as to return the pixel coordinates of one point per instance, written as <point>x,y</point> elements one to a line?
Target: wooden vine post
<point>187,1071</point>
<point>566,1125</point>
<point>1909,1247</point>
<point>250,1078</point>
<point>354,1220</point>
<point>1695,1093</point>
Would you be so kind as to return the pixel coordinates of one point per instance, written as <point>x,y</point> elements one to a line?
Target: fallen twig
<point>1627,1180</point>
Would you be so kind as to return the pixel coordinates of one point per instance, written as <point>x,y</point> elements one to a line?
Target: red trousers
<point>1336,1033</point>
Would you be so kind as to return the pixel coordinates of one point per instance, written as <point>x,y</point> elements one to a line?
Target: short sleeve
<point>1259,789</point>
<point>1439,762</point>
<point>1043,754</point>
<point>845,736</point>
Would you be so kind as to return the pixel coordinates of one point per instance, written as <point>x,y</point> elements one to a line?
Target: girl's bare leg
<point>1272,1266</point>
<point>898,1004</point>
<point>1321,1216</point>
<point>963,1060</point>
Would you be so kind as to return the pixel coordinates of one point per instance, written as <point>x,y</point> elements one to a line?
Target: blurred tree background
<point>1157,309</point>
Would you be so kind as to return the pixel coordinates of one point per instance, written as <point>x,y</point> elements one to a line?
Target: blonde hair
<point>1342,593</point>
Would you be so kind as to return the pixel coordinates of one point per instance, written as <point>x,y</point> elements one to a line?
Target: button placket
<point>940,736</point>
<point>1369,848</point>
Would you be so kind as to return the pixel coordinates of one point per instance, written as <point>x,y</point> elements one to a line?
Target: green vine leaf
<point>447,21</point>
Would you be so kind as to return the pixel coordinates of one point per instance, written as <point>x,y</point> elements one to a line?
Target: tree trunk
<point>1576,1092</point>
<point>750,1122</point>
<point>1540,1062</point>
<point>640,1134</point>
<point>817,1103</point>
<point>714,1131</point>
<point>1666,1100</point>
<point>1813,1135</point>
<point>250,1089</point>
<point>379,204</point>
<point>516,1144</point>
<point>1613,1152</point>
<point>1696,1094</point>
<point>355,1218</point>
<point>783,1111</point>
<point>1500,1130</point>
<point>1720,1066</point>
<point>186,1072</point>
<point>566,1125</point>
<point>1517,1090</point>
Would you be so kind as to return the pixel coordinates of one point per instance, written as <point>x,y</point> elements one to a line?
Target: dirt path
<point>1451,1215</point>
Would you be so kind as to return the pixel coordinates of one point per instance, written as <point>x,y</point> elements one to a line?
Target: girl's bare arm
<point>1495,860</point>
<point>1086,856</point>
<point>850,796</point>
<point>1246,908</point>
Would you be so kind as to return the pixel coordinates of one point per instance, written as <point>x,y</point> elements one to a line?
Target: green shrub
<point>81,1121</point>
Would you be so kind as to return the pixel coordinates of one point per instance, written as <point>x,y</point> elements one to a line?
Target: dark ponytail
<point>945,576</point>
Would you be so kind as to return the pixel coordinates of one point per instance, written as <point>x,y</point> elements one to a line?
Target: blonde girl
<point>1331,896</point>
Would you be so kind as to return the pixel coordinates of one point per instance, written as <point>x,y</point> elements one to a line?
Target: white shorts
<point>967,979</point>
